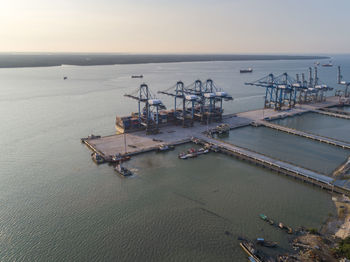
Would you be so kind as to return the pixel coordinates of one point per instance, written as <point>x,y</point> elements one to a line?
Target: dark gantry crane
<point>186,113</point>
<point>149,115</point>
<point>199,101</point>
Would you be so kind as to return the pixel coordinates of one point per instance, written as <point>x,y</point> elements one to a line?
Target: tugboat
<point>122,170</point>
<point>97,158</point>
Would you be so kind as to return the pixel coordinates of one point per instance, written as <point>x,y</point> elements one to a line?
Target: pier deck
<point>139,142</point>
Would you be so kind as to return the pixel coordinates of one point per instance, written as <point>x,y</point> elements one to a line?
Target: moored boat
<point>191,153</point>
<point>163,148</point>
<point>122,170</point>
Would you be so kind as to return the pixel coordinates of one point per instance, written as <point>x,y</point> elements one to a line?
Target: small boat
<point>137,76</point>
<point>202,151</point>
<point>265,243</point>
<point>247,70</point>
<point>317,63</point>
<point>122,170</point>
<point>163,148</point>
<point>97,158</point>
<point>187,155</point>
<point>263,217</point>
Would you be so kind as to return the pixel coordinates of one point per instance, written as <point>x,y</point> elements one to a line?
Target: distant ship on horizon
<point>328,64</point>
<point>247,70</point>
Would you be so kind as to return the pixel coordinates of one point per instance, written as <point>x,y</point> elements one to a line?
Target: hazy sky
<point>178,26</point>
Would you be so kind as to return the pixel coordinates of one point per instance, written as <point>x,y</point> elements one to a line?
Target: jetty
<point>333,114</point>
<point>296,132</point>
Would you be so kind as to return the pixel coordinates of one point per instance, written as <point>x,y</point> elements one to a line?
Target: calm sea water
<point>57,205</point>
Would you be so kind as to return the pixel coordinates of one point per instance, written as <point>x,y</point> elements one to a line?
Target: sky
<point>178,26</point>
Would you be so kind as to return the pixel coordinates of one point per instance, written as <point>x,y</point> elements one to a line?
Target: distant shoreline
<point>48,60</point>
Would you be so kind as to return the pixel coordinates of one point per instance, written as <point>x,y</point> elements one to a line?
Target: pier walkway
<point>288,130</point>
<point>336,111</point>
<point>279,166</point>
<point>333,114</point>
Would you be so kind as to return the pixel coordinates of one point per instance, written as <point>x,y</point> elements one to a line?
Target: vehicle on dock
<point>247,70</point>
<point>123,170</point>
<point>97,158</point>
<point>265,243</point>
<point>163,148</point>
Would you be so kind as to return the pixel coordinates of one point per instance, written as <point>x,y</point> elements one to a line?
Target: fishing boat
<point>247,70</point>
<point>137,76</point>
<point>122,170</point>
<point>265,243</point>
<point>265,218</point>
<point>97,158</point>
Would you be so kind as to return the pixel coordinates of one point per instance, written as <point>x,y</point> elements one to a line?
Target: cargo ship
<point>328,64</point>
<point>127,124</point>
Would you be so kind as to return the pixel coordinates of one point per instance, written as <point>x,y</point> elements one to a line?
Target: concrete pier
<point>130,144</point>
<point>333,114</point>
